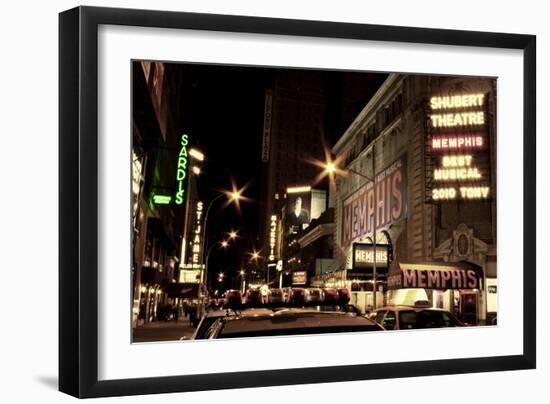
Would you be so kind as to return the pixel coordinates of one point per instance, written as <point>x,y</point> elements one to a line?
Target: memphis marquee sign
<point>435,276</point>
<point>376,205</point>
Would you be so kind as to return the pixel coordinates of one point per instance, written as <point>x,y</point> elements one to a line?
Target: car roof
<point>288,319</point>
<point>406,307</point>
<point>241,313</point>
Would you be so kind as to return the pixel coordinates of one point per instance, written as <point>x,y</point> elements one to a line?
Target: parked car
<point>253,297</point>
<point>414,317</point>
<point>297,296</point>
<point>291,321</point>
<point>331,295</point>
<point>208,319</point>
<point>343,296</point>
<point>233,298</point>
<point>276,296</point>
<point>314,295</point>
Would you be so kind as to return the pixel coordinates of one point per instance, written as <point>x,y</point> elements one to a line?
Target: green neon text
<point>162,199</point>
<point>181,171</point>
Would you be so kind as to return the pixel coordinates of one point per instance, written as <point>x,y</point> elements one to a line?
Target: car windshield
<point>411,319</point>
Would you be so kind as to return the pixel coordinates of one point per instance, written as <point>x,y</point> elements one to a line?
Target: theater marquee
<point>388,195</point>
<point>435,276</point>
<point>458,148</point>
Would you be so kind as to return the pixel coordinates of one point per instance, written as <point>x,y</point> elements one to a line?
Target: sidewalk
<point>163,331</point>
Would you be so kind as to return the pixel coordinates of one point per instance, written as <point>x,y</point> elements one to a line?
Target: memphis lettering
<point>450,279</point>
<point>375,205</point>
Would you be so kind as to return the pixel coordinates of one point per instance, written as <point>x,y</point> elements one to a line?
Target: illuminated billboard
<point>376,205</point>
<point>303,205</point>
<point>457,147</point>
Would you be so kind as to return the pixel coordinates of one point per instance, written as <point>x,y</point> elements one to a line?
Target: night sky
<point>222,112</point>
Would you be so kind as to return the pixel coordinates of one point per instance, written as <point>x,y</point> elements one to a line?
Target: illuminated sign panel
<point>197,233</point>
<point>457,101</point>
<point>161,199</point>
<point>457,142</point>
<point>458,118</point>
<point>387,195</point>
<point>451,278</point>
<point>190,276</point>
<point>298,190</point>
<point>363,255</point>
<point>267,126</point>
<point>181,171</point>
<point>272,237</point>
<point>460,171</point>
<point>299,278</point>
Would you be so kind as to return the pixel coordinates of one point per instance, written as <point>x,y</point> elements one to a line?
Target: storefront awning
<point>151,276</point>
<point>456,275</point>
<point>183,290</point>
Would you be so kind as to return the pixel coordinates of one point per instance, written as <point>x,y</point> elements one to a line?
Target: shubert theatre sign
<point>376,205</point>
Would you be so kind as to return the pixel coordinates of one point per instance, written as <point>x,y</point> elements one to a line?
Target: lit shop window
<point>136,182</point>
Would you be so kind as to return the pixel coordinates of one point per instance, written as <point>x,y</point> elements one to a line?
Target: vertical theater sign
<point>457,146</point>
<point>181,170</point>
<point>377,204</point>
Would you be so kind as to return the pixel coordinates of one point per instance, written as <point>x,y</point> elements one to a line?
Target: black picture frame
<point>78,207</point>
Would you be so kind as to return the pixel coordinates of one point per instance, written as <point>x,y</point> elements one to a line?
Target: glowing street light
<point>330,168</point>
<point>196,170</point>
<point>224,243</point>
<point>233,234</point>
<point>196,154</point>
<point>243,282</point>
<point>235,196</point>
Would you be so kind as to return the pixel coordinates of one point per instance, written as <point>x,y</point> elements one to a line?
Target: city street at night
<point>271,201</point>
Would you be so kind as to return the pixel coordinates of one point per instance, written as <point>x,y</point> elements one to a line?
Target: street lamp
<point>242,273</point>
<point>255,256</point>
<point>234,196</point>
<point>224,244</point>
<point>331,169</point>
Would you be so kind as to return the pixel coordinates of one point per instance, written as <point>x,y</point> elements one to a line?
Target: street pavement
<point>163,331</point>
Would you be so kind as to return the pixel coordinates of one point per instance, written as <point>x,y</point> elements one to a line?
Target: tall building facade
<point>303,115</point>
<point>419,208</point>
<point>162,195</point>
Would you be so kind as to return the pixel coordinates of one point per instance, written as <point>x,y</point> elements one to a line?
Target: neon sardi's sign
<point>181,171</point>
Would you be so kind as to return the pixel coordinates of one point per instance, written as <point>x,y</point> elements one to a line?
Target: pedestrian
<point>185,309</point>
<point>192,315</point>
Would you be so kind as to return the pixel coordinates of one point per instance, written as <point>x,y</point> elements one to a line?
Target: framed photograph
<point>251,202</point>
